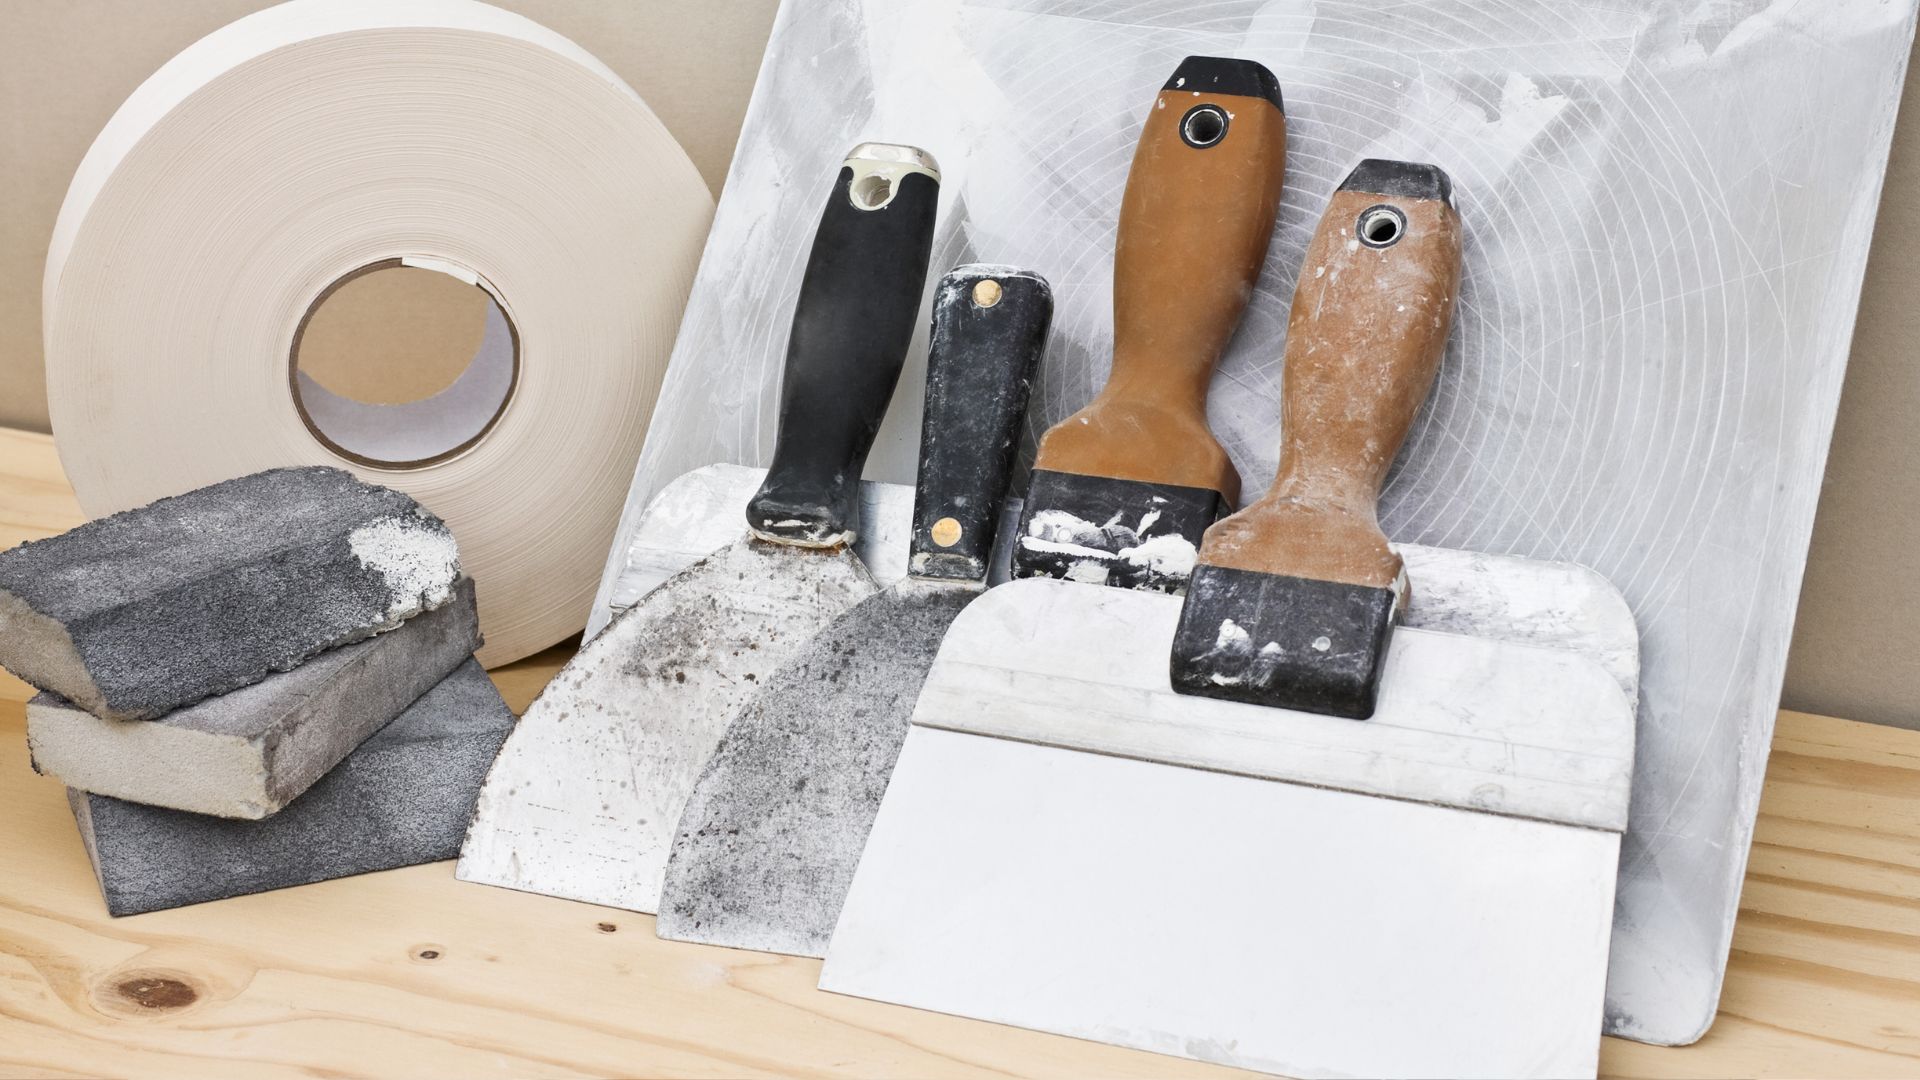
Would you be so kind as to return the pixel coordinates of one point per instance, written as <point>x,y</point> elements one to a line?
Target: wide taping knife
<point>1123,489</point>
<point>1068,844</point>
<point>584,797</point>
<point>769,839</point>
<point>1294,597</point>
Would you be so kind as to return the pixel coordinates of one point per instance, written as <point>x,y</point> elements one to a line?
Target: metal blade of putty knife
<point>1123,489</point>
<point>769,839</point>
<point>1294,597</point>
<point>1068,844</point>
<point>584,797</point>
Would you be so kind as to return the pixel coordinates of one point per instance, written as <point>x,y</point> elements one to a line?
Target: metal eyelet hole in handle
<point>1203,126</point>
<point>871,192</point>
<point>1381,226</point>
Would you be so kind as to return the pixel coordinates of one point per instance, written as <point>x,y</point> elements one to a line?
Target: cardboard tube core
<point>338,361</point>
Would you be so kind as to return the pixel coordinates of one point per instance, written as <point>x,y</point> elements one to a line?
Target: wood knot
<point>147,993</point>
<point>156,992</point>
<point>426,954</point>
<point>607,927</point>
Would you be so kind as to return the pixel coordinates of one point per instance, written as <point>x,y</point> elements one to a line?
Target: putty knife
<point>583,800</point>
<point>1123,489</point>
<point>1069,844</point>
<point>770,836</point>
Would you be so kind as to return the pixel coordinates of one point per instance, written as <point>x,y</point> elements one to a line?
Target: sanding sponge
<point>401,799</point>
<point>248,753</point>
<point>135,615</point>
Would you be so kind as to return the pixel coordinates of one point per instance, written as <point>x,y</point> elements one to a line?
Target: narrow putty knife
<point>584,797</point>
<point>1123,489</point>
<point>1068,844</point>
<point>770,836</point>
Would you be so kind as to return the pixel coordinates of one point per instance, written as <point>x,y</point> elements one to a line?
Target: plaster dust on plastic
<point>1167,556</point>
<point>1666,209</point>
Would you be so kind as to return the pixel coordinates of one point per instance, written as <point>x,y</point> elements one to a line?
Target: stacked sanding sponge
<point>262,683</point>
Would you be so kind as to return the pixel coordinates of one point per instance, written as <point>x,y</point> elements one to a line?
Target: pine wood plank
<point>413,973</point>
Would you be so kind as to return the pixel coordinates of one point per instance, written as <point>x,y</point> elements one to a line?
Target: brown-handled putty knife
<point>1294,597</point>
<point>583,800</point>
<point>774,827</point>
<point>1068,844</point>
<point>1123,489</point>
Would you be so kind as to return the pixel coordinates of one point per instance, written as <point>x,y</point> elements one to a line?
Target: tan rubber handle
<point>1194,226</point>
<point>1364,341</point>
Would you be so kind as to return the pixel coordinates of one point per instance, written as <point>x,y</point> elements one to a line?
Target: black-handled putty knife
<point>769,839</point>
<point>584,797</point>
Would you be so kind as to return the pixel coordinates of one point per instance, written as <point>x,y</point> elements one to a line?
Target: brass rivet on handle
<point>946,531</point>
<point>986,293</point>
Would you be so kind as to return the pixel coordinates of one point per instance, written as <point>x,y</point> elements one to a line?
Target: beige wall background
<point>65,65</point>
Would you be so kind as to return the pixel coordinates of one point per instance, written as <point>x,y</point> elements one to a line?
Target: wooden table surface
<point>411,973</point>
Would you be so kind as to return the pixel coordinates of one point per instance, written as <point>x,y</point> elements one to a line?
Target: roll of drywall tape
<point>304,147</point>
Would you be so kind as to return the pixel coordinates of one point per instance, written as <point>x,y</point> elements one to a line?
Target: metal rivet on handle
<point>1203,126</point>
<point>1381,226</point>
<point>986,293</point>
<point>946,531</point>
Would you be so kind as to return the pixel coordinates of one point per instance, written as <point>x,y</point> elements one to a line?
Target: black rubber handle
<point>989,329</point>
<point>851,328</point>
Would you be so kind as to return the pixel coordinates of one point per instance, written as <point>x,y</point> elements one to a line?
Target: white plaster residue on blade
<point>1291,929</point>
<point>769,839</point>
<point>585,796</point>
<point>420,564</point>
<point>1462,721</point>
<point>1554,605</point>
<point>704,510</point>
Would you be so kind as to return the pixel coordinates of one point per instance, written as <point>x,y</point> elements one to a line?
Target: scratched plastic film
<point>1667,210</point>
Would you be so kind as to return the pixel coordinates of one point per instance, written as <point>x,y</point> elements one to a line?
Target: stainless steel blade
<point>1067,844</point>
<point>1474,722</point>
<point>583,799</point>
<point>1272,926</point>
<point>768,842</point>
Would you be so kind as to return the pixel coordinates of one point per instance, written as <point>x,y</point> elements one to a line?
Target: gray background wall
<point>65,66</point>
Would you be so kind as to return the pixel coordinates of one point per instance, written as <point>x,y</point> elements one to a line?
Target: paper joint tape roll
<point>310,143</point>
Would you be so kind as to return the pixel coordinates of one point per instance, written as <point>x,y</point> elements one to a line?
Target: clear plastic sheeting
<point>1667,210</point>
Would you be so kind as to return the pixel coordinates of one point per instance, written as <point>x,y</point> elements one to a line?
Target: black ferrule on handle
<point>851,328</point>
<point>1226,75</point>
<point>989,329</point>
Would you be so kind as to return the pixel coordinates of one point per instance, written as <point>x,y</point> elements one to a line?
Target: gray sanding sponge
<point>401,799</point>
<point>135,615</point>
<point>248,753</point>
